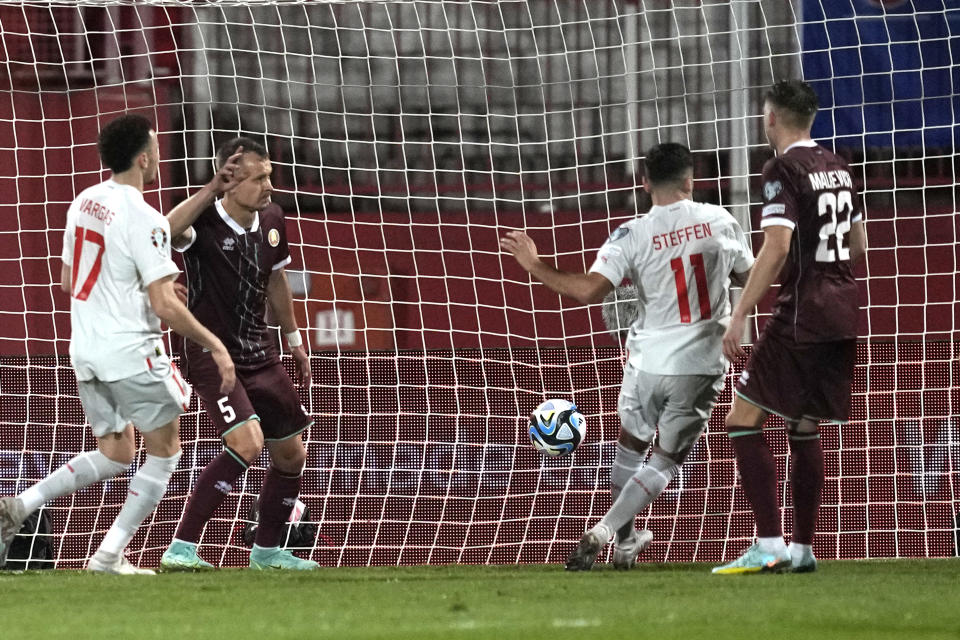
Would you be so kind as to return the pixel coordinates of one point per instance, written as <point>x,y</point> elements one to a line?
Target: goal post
<point>406,138</point>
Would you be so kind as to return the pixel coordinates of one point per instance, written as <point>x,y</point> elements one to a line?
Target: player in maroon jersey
<point>801,367</point>
<point>235,252</point>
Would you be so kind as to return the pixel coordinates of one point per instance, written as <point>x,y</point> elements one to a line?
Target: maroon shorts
<point>266,394</point>
<point>799,380</point>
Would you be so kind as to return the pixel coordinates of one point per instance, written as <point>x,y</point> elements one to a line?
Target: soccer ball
<point>557,428</point>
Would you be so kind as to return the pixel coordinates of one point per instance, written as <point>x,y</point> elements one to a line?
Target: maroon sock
<point>758,477</point>
<point>806,481</point>
<point>213,486</point>
<point>279,494</point>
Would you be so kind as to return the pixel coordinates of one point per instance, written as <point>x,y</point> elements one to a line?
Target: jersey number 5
<point>838,206</point>
<point>680,278</point>
<point>97,239</point>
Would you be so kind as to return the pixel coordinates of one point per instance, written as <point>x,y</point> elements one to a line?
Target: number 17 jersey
<point>115,244</point>
<point>679,257</point>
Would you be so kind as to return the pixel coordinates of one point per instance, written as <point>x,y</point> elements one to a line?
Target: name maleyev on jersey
<point>821,180</point>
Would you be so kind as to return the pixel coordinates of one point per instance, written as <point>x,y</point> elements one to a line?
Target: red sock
<point>279,494</point>
<point>758,477</point>
<point>213,486</point>
<point>806,481</point>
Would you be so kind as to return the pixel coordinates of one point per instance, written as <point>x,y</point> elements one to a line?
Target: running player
<point>235,252</point>
<point>680,256</point>
<point>801,367</point>
<point>118,271</point>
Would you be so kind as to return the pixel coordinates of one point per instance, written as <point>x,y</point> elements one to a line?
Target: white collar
<point>800,143</point>
<point>233,223</point>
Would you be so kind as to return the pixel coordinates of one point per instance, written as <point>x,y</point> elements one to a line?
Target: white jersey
<point>680,258</point>
<point>115,244</point>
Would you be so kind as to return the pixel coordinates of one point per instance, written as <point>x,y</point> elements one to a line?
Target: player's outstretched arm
<point>586,288</point>
<point>184,214</point>
<point>168,307</point>
<point>770,260</point>
<point>280,299</point>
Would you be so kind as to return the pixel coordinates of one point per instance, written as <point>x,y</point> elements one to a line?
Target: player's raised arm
<point>586,288</point>
<point>280,299</point>
<point>169,308</point>
<point>184,214</point>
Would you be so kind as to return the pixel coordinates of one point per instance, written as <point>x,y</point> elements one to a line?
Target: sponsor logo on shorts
<point>223,486</point>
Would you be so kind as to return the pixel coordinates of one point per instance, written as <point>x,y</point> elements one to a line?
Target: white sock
<point>648,483</point>
<point>146,490</point>
<point>626,463</point>
<point>81,471</point>
<point>774,545</point>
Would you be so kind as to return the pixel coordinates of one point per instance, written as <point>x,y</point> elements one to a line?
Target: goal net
<point>406,138</point>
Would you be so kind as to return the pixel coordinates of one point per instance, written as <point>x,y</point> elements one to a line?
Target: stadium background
<point>406,138</point>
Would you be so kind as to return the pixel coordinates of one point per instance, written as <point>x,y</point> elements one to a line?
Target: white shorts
<point>149,400</point>
<point>679,405</point>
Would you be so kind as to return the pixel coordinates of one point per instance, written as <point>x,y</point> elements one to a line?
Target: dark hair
<point>797,98</point>
<point>230,147</point>
<point>667,162</point>
<point>122,140</point>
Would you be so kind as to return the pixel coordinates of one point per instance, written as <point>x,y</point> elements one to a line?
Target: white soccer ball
<point>557,428</point>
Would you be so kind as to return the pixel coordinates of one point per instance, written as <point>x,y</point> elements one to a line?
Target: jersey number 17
<point>96,239</point>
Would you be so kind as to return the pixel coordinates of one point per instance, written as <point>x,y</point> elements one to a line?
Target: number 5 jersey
<point>114,245</point>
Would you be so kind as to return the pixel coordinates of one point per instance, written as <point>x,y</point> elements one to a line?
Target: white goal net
<point>406,138</point>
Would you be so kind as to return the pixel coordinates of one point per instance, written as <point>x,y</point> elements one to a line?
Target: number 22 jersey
<point>810,190</point>
<point>114,244</point>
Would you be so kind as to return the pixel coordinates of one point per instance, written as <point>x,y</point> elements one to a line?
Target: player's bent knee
<point>744,414</point>
<point>630,442</point>
<point>246,440</point>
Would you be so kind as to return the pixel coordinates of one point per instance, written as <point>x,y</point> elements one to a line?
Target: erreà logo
<point>229,243</point>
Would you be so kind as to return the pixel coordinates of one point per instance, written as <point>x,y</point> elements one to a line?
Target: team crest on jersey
<point>229,243</point>
<point>159,238</point>
<point>772,189</point>
<point>273,237</point>
<point>618,233</point>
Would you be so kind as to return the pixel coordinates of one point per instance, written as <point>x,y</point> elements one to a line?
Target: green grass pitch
<point>901,599</point>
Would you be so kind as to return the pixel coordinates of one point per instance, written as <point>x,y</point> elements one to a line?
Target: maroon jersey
<point>810,190</point>
<point>227,270</point>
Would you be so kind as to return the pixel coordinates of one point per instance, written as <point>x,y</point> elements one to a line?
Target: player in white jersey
<point>680,256</point>
<point>118,271</point>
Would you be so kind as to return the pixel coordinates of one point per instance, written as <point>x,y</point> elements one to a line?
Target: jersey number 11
<point>703,293</point>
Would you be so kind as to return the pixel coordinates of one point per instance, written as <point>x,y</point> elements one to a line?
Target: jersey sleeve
<point>148,240</point>
<point>613,258</point>
<point>779,200</point>
<point>743,253</point>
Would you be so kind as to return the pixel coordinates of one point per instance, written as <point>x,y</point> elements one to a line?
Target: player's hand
<point>303,364</point>
<point>229,174</point>
<point>181,291</point>
<point>521,247</point>
<point>733,336</point>
<point>228,375</point>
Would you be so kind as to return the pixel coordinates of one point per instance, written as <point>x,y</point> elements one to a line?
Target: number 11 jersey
<point>114,244</point>
<point>810,190</point>
<point>679,257</point>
